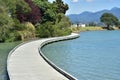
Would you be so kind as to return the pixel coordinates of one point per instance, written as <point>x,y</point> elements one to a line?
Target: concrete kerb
<point>69,76</point>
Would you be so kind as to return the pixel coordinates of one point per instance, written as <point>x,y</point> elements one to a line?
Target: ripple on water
<point>93,56</point>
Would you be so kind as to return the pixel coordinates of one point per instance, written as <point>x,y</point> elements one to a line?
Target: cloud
<point>74,0</point>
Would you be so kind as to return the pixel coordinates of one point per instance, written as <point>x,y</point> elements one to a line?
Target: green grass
<point>88,28</point>
<point>91,28</point>
<point>5,48</point>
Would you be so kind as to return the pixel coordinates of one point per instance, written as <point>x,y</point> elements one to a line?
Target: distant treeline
<point>26,19</point>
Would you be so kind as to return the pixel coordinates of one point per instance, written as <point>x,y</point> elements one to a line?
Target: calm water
<point>5,48</point>
<point>93,56</point>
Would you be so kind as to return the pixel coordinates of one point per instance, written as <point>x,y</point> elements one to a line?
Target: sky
<point>79,6</point>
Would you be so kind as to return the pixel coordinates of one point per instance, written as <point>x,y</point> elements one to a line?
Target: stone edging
<point>69,76</point>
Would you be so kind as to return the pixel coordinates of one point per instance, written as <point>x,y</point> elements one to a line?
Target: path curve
<point>25,63</point>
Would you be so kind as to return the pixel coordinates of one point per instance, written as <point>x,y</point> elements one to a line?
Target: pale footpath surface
<point>25,63</point>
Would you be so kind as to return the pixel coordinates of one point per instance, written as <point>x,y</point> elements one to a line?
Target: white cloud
<point>74,0</point>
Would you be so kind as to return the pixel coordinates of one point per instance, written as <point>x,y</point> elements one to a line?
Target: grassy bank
<point>90,28</point>
<point>5,48</point>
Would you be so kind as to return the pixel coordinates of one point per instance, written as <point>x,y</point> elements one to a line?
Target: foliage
<point>27,32</point>
<point>13,36</point>
<point>59,28</point>
<point>50,10</point>
<point>18,17</point>
<point>88,28</point>
<point>109,19</point>
<point>61,7</point>
<point>14,6</point>
<point>118,24</point>
<point>54,21</point>
<point>45,30</point>
<point>47,10</point>
<point>24,10</point>
<point>10,27</point>
<point>34,16</point>
<point>92,24</point>
<point>6,22</point>
<point>62,25</point>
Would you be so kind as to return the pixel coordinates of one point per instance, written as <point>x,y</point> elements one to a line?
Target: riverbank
<point>5,48</point>
<point>22,64</point>
<point>90,28</point>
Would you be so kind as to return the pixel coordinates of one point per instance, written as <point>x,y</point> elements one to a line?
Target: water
<point>5,48</point>
<point>94,55</point>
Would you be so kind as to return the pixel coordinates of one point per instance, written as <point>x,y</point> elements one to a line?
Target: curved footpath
<point>25,63</point>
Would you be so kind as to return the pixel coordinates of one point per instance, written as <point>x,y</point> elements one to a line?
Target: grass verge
<point>5,48</point>
<point>90,28</point>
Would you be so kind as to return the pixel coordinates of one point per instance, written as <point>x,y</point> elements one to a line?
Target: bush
<point>28,32</point>
<point>13,36</point>
<point>61,32</point>
<point>45,30</point>
<point>17,25</point>
<point>21,31</point>
<point>6,24</point>
<point>62,26</point>
<point>53,29</point>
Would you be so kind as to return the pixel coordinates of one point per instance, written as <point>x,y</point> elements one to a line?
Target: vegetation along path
<point>25,62</point>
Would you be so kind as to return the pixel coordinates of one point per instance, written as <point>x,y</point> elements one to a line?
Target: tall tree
<point>34,16</point>
<point>109,19</point>
<point>48,10</point>
<point>6,22</point>
<point>61,7</point>
<point>16,5</point>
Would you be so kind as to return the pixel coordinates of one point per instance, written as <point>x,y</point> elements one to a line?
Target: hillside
<point>87,17</point>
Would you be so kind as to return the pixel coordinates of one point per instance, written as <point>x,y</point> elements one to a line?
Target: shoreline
<point>93,28</point>
<point>69,76</point>
<point>17,59</point>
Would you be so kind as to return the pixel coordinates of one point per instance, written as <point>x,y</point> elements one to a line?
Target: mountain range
<point>87,17</point>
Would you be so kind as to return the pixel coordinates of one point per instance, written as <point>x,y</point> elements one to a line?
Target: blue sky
<point>78,6</point>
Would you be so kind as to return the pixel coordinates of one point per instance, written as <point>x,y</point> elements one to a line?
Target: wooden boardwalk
<point>25,63</point>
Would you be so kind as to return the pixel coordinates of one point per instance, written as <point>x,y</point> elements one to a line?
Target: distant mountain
<point>87,17</point>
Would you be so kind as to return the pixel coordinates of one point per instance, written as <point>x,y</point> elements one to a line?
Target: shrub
<point>13,36</point>
<point>6,23</point>
<point>45,30</point>
<point>28,32</point>
<point>22,31</point>
<point>62,26</point>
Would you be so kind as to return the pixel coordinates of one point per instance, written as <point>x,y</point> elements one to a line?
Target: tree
<point>34,16</point>
<point>92,24</point>
<point>118,24</point>
<point>48,10</point>
<point>15,6</point>
<point>61,7</point>
<point>109,19</point>
<point>62,25</point>
<point>10,27</point>
<point>54,21</point>
<point>6,22</point>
